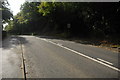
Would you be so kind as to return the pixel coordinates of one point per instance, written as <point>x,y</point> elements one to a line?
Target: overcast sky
<point>15,5</point>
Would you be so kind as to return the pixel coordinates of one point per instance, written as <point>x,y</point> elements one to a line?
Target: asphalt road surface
<point>11,58</point>
<point>44,57</point>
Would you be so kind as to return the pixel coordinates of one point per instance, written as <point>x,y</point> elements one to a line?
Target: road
<point>11,58</point>
<point>44,57</point>
<point>0,58</point>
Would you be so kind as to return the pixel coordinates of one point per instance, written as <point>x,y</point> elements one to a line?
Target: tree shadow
<point>76,40</point>
<point>51,37</point>
<point>0,44</point>
<point>13,41</point>
<point>89,42</point>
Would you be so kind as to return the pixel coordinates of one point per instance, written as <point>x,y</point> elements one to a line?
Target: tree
<point>97,20</point>
<point>6,13</point>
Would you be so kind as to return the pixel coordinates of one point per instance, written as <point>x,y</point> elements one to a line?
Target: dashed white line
<point>112,67</point>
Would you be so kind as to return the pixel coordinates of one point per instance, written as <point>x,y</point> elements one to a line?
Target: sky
<point>15,5</point>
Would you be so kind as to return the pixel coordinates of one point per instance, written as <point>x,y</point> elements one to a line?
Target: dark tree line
<point>68,19</point>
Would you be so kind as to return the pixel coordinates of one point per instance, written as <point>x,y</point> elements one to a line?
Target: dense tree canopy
<point>99,20</point>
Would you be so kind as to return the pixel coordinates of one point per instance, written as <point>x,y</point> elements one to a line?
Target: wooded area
<point>68,19</point>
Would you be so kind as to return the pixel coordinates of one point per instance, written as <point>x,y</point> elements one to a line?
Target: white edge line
<point>105,61</point>
<point>112,67</point>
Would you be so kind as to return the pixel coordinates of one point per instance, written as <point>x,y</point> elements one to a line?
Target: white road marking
<point>59,44</point>
<point>105,61</point>
<point>112,67</point>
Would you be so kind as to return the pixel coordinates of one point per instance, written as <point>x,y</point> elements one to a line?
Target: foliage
<point>6,13</point>
<point>6,16</point>
<point>98,20</point>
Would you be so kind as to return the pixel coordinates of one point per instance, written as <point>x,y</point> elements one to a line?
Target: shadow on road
<point>13,41</point>
<point>85,41</point>
<point>81,41</point>
<point>50,37</point>
<point>0,44</point>
<point>22,40</point>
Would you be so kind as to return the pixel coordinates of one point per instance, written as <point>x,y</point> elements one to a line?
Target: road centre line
<point>112,67</point>
<point>105,61</point>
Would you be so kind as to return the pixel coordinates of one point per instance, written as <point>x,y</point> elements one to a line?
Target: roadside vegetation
<point>6,16</point>
<point>87,21</point>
